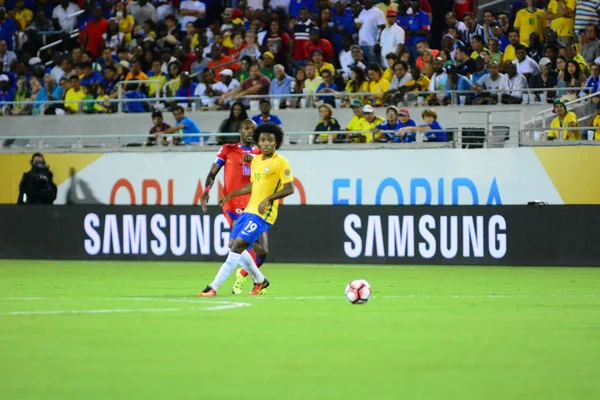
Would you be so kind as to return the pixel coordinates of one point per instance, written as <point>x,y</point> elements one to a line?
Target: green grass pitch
<point>125,330</point>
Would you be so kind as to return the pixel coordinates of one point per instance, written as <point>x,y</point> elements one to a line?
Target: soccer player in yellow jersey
<point>271,179</point>
<point>531,19</point>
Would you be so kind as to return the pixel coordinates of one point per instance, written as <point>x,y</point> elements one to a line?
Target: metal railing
<point>74,33</point>
<point>534,136</point>
<point>579,100</point>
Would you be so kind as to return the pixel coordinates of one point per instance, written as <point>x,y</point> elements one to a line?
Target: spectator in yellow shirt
<point>531,19</point>
<point>320,65</point>
<point>370,121</point>
<point>357,122</point>
<point>510,54</point>
<point>74,96</point>
<point>564,119</point>
<point>357,83</point>
<point>561,14</point>
<point>23,15</point>
<point>596,123</point>
<point>312,82</point>
<point>378,85</point>
<point>390,59</point>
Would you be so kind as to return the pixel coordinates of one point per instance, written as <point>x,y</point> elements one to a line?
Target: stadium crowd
<point>336,53</point>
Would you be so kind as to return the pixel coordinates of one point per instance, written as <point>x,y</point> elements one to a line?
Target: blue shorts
<point>249,227</point>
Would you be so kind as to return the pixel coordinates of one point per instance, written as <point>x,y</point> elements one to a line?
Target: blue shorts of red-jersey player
<point>232,213</point>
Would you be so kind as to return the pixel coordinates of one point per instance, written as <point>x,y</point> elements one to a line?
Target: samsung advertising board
<point>411,235</point>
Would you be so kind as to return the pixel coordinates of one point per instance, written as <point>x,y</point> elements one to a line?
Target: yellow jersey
<point>381,86</point>
<point>510,53</point>
<point>388,73</point>
<point>24,18</point>
<point>268,177</point>
<point>528,22</point>
<point>73,98</point>
<point>367,126</point>
<point>562,25</point>
<point>325,65</point>
<point>596,124</point>
<point>557,123</point>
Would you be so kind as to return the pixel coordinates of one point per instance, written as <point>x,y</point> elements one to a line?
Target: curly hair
<point>269,128</point>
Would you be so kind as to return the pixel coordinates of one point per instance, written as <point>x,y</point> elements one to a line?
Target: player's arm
<point>210,180</point>
<point>240,192</point>
<point>288,189</point>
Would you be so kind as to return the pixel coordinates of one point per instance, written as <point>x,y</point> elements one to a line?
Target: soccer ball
<point>358,291</point>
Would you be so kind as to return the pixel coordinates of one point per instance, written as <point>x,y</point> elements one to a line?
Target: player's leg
<point>258,252</point>
<point>248,229</point>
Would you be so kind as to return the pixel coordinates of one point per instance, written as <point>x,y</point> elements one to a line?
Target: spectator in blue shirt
<point>327,87</point>
<point>456,82</point>
<point>265,114</point>
<point>8,28</point>
<point>133,92</point>
<point>591,86</point>
<point>297,5</point>
<point>50,92</point>
<point>186,126</point>
<point>418,27</point>
<point>405,121</point>
<point>430,117</point>
<point>187,87</point>
<point>90,77</point>
<point>282,84</point>
<point>480,69</point>
<point>382,131</point>
<point>343,25</point>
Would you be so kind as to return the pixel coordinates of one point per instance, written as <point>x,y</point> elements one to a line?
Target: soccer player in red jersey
<point>237,159</point>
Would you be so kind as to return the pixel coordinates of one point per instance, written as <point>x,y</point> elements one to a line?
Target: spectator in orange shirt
<point>136,72</point>
<point>316,42</point>
<point>219,61</point>
<point>422,46</point>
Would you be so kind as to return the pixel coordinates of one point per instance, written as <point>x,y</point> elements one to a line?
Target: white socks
<point>233,259</point>
<point>247,263</point>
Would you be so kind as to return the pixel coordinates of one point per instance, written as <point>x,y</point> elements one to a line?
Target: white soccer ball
<point>358,291</point>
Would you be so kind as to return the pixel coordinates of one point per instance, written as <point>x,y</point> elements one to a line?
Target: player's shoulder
<point>281,160</point>
<point>227,148</point>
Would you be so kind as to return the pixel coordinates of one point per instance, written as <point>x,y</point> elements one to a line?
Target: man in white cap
<point>370,121</point>
<point>226,83</point>
<point>546,78</point>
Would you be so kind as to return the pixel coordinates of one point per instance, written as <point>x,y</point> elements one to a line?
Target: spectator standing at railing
<point>531,19</point>
<point>23,15</point>
<point>327,124</point>
<point>23,96</point>
<point>265,114</point>
<point>561,15</point>
<point>369,22</point>
<point>357,121</point>
<point>547,78</point>
<point>369,122</point>
<point>61,18</point>
<point>93,33</point>
<point>113,38</point>
<point>526,66</point>
<point>564,119</point>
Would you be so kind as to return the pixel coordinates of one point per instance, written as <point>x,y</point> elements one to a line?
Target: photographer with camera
<point>37,186</point>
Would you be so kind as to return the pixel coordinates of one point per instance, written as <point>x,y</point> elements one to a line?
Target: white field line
<point>241,304</point>
<point>221,305</point>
